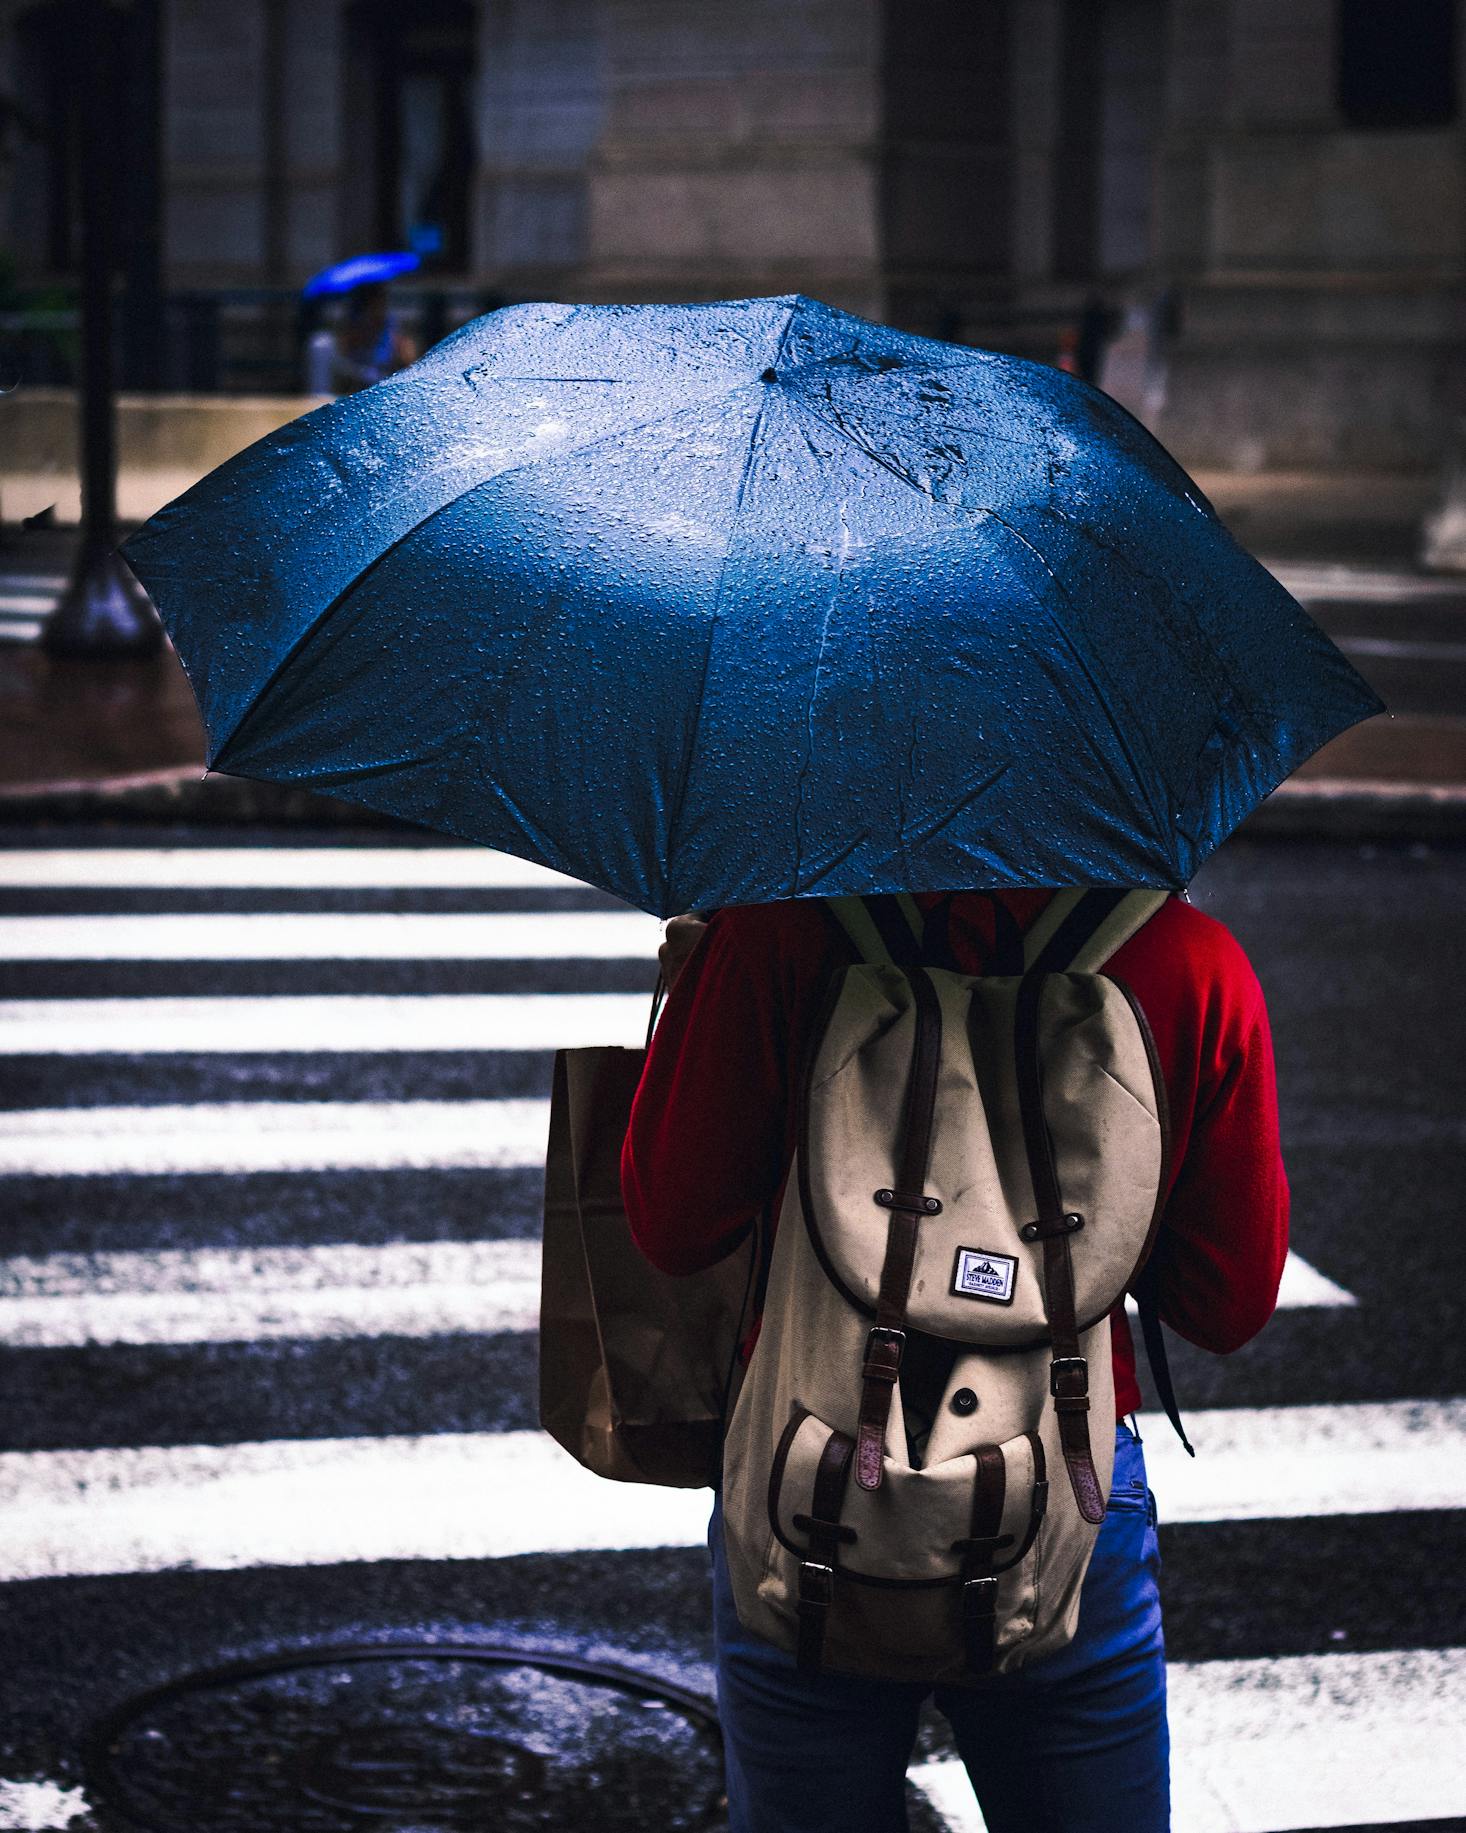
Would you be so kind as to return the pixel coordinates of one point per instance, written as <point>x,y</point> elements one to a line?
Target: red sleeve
<point>708,1140</point>
<point>1224,1234</point>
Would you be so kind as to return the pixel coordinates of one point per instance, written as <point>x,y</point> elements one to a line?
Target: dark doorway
<point>1397,62</point>
<point>1111,76</point>
<point>945,162</point>
<point>413,74</point>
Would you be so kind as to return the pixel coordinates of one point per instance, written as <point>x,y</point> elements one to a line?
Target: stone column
<point>214,142</point>
<point>739,153</point>
<point>1319,307</point>
<point>251,154</point>
<point>541,105</point>
<point>946,163</point>
<point>1035,92</point>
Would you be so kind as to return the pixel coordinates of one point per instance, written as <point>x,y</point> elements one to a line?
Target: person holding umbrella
<point>368,343</point>
<point>744,607</point>
<point>1076,1742</point>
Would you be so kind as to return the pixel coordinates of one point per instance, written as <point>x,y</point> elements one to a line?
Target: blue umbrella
<point>717,604</point>
<point>360,270</point>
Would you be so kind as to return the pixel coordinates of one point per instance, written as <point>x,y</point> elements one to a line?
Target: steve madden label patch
<point>979,1274</point>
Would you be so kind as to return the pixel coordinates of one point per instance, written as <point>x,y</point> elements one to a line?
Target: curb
<point>1326,808</point>
<point>186,794</point>
<point>1360,808</point>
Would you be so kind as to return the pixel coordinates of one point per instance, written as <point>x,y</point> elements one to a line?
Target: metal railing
<point>217,340</point>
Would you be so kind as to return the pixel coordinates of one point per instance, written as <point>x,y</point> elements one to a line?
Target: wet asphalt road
<point>1361,955</point>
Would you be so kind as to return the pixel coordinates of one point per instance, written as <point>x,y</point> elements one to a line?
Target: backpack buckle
<point>1069,1378</point>
<point>979,1598</point>
<point>884,1348</point>
<point>816,1584</point>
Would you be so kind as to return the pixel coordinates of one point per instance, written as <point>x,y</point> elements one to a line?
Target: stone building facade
<point>1247,217</point>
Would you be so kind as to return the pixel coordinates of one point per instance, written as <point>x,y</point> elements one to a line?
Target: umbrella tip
<point>769,375</point>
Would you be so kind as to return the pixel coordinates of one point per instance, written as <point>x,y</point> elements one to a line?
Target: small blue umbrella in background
<point>718,604</point>
<point>360,270</point>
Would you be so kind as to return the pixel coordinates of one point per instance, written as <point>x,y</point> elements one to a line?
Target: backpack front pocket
<point>916,1574</point>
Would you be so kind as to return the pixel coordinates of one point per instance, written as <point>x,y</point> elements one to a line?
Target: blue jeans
<point>1076,1743</point>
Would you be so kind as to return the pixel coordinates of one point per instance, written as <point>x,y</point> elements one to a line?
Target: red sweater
<point>713,1126</point>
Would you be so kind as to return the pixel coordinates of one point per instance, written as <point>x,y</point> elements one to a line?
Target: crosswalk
<point>344,1228</point>
<point>27,599</point>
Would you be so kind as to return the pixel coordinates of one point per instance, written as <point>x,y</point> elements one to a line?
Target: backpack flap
<point>1077,1066</point>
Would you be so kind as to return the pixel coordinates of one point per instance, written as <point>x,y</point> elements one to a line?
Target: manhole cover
<point>411,1740</point>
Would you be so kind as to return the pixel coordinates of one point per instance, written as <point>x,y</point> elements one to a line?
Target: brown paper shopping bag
<point>635,1366</point>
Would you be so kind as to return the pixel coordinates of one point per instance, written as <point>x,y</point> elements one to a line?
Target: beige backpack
<point>920,1455</point>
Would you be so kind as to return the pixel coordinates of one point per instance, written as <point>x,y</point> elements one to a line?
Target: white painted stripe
<point>269,868</point>
<point>40,1807</point>
<point>430,1021</point>
<point>241,1136</point>
<point>1302,1287</point>
<point>356,935</point>
<point>25,604</point>
<point>943,1781</point>
<point>33,582</point>
<point>19,632</point>
<point>487,1495</point>
<point>1271,1745</point>
<point>320,1501</point>
<point>1389,649</point>
<point>1362,1458</point>
<point>1296,1741</point>
<point>215,1295</point>
<point>406,1288</point>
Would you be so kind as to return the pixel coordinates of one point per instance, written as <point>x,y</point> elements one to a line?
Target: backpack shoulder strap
<point>886,930</point>
<point>1078,931</point>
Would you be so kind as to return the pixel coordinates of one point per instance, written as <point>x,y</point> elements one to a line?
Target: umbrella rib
<point>334,603</point>
<point>905,411</point>
<point>1142,779</point>
<point>836,426</point>
<point>814,690</point>
<point>1198,637</point>
<point>707,661</point>
<point>962,512</point>
<point>1195,637</point>
<point>480,375</point>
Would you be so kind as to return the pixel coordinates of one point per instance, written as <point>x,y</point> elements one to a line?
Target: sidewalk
<point>121,741</point>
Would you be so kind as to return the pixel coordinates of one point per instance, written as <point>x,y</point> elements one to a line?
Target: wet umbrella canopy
<point>723,603</point>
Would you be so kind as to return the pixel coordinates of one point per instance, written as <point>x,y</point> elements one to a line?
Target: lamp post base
<point>103,611</point>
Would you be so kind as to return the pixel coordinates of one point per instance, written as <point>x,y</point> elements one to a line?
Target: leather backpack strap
<point>909,1205</point>
<point>826,1532</point>
<point>1046,925</point>
<point>1053,1226</point>
<point>1089,928</point>
<point>886,930</point>
<point>1078,931</point>
<point>1147,1303</point>
<point>890,931</point>
<point>979,1556</point>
